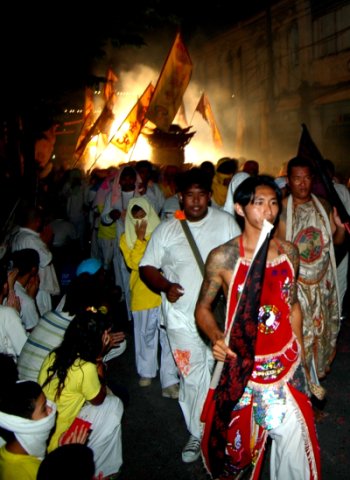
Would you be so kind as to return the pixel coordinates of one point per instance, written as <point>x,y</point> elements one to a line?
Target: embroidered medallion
<point>269,319</point>
<point>310,244</point>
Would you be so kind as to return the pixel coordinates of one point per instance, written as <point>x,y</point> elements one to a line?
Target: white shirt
<point>12,334</point>
<point>169,250</point>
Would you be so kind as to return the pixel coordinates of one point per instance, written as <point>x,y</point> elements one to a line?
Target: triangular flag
<point>171,85</point>
<point>129,130</point>
<point>307,149</point>
<point>206,111</point>
<point>110,88</point>
<point>102,124</point>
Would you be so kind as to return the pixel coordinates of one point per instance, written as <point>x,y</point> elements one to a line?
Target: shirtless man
<point>275,399</point>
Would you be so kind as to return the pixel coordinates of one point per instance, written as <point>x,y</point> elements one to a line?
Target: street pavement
<point>154,430</point>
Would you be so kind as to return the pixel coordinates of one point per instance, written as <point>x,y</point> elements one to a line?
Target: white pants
<point>147,334</point>
<point>288,459</point>
<point>105,438</point>
<point>195,362</point>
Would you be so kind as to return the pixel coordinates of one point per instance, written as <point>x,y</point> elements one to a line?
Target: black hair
<point>20,399</point>
<point>136,209</point>
<point>245,192</point>
<point>299,162</point>
<point>72,462</point>
<point>128,171</point>
<point>194,176</point>
<point>25,260</point>
<point>82,340</point>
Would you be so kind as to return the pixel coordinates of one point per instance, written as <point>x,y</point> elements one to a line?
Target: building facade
<point>288,65</point>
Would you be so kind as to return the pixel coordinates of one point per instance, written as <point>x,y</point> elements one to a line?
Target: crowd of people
<point>124,246</point>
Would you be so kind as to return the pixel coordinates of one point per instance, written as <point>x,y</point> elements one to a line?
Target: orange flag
<point>205,110</point>
<point>102,124</point>
<point>171,85</point>
<point>89,103</point>
<point>109,88</point>
<point>130,129</point>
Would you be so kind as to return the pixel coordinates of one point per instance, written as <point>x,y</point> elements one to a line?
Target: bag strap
<point>193,245</point>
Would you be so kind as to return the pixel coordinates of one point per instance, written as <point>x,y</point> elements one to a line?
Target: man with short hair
<point>169,266</point>
<point>270,398</point>
<point>309,222</point>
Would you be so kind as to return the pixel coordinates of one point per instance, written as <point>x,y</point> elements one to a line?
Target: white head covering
<point>31,434</point>
<point>236,180</point>
<point>130,222</point>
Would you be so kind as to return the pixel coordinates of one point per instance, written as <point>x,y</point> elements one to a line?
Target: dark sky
<point>47,52</point>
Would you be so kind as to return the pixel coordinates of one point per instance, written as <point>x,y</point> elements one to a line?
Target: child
<point>140,221</point>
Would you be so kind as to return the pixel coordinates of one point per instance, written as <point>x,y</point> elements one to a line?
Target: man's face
<point>195,202</point>
<point>300,183</point>
<point>264,207</point>
<point>42,409</point>
<point>127,182</point>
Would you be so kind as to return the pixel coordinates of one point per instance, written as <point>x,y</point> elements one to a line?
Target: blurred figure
<point>251,167</point>
<point>140,222</point>
<point>69,462</point>
<point>226,167</point>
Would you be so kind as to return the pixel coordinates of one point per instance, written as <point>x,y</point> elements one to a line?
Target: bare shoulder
<point>290,250</point>
<point>225,255</point>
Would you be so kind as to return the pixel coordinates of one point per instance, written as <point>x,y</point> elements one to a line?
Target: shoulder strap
<point>193,245</point>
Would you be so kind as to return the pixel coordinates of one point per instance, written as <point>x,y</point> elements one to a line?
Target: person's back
<point>70,375</point>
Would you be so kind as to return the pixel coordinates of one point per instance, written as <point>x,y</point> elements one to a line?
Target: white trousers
<point>105,438</point>
<point>148,333</point>
<point>288,459</point>
<point>195,362</point>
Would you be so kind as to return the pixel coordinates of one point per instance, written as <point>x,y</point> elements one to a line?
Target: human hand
<point>174,292</point>
<point>11,278</point>
<point>78,432</point>
<point>46,234</point>
<point>116,338</point>
<point>32,286</point>
<point>221,351</point>
<point>114,214</point>
<point>337,219</point>
<point>140,229</point>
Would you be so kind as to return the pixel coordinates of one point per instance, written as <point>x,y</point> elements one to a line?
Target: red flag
<point>171,85</point>
<point>205,110</point>
<point>130,129</point>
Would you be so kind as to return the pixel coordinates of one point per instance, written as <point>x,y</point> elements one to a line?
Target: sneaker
<point>145,382</point>
<point>192,450</point>
<point>171,392</point>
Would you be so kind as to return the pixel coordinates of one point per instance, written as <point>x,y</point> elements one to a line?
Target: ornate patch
<point>269,319</point>
<point>310,244</point>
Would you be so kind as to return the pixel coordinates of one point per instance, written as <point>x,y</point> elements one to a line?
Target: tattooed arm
<point>296,315</point>
<point>217,274</point>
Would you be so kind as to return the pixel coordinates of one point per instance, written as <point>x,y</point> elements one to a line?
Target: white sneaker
<point>171,392</point>
<point>145,382</point>
<point>192,450</point>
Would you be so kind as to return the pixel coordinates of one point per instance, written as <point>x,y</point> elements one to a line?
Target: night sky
<point>47,53</point>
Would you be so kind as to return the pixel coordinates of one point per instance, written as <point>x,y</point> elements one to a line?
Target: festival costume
<point>169,250</point>
<point>274,402</point>
<point>309,229</point>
